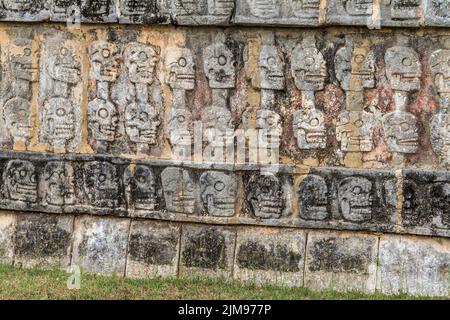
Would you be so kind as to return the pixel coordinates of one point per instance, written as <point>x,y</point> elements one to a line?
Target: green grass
<point>16,283</point>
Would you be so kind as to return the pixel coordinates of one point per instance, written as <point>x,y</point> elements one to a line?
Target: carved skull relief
<point>405,9</point>
<point>141,123</point>
<point>134,7</point>
<point>358,7</point>
<point>355,68</point>
<point>20,181</point>
<point>101,184</point>
<point>305,8</point>
<point>218,193</point>
<point>65,65</point>
<point>440,199</point>
<point>441,8</point>
<point>268,124</point>
<point>308,66</point>
<point>410,202</point>
<point>62,7</point>
<point>264,8</point>
<point>219,66</point>
<point>180,127</point>
<point>179,190</point>
<point>355,199</point>
<point>58,184</point>
<point>221,7</point>
<point>59,121</point>
<point>17,5</point>
<point>265,196</point>
<point>271,65</point>
<point>104,58</point>
<point>440,70</point>
<point>217,124</point>
<point>309,128</point>
<point>103,120</point>
<point>21,63</point>
<point>440,135</point>
<point>180,68</point>
<point>191,7</point>
<point>140,187</point>
<point>313,198</point>
<point>354,131</point>
<point>97,7</point>
<point>140,61</point>
<point>18,119</point>
<point>403,68</point>
<point>401,132</point>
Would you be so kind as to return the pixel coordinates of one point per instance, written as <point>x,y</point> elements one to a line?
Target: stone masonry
<point>288,142</point>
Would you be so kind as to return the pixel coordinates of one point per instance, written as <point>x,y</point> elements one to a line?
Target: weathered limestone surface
<point>7,230</point>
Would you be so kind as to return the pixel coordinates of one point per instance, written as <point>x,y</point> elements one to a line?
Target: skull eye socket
<point>60,112</point>
<point>357,190</point>
<point>103,113</point>
<point>141,179</point>
<point>271,61</point>
<point>405,126</point>
<point>181,119</point>
<point>33,178</point>
<point>407,62</point>
<point>23,173</point>
<point>182,62</point>
<point>64,51</point>
<point>102,177</point>
<point>314,122</point>
<point>144,116</point>
<point>143,56</point>
<point>359,123</point>
<point>359,58</point>
<point>219,186</point>
<point>309,61</point>
<point>106,53</point>
<point>27,52</point>
<point>222,60</point>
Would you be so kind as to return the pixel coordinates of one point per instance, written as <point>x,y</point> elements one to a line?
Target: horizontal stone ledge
<point>316,259</point>
<point>311,13</point>
<point>392,201</point>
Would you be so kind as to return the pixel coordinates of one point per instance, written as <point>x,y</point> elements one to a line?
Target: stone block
<point>417,266</point>
<point>401,13</point>
<point>7,233</point>
<point>437,13</point>
<point>100,244</point>
<point>341,261</point>
<point>201,12</point>
<point>278,12</point>
<point>23,10</point>
<point>43,240</point>
<point>350,12</point>
<point>207,251</point>
<point>143,12</point>
<point>153,250</point>
<point>268,256</point>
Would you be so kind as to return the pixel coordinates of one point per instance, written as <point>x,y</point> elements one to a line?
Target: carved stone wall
<point>182,138</point>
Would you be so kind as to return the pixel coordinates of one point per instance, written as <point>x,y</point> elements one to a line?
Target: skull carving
<point>97,7</point>
<point>140,61</point>
<point>134,7</point>
<point>309,128</point>
<point>440,8</point>
<point>355,199</point>
<point>20,181</point>
<point>440,199</point>
<point>101,184</point>
<point>271,64</point>
<point>308,66</point>
<point>305,8</point>
<point>411,211</point>
<point>17,5</point>
<point>180,68</point>
<point>265,196</point>
<point>104,58</point>
<point>59,121</point>
<point>58,184</point>
<point>65,65</point>
<point>63,7</point>
<point>401,132</point>
<point>141,188</point>
<point>403,68</point>
<point>354,131</point>
<point>358,7</point>
<point>141,123</point>
<point>22,63</point>
<point>221,7</point>
<point>218,193</point>
<point>355,67</point>
<point>405,9</point>
<point>440,70</point>
<point>219,66</point>
<point>190,7</point>
<point>268,124</point>
<point>440,135</point>
<point>180,127</point>
<point>103,120</point>
<point>218,124</point>
<point>18,119</point>
<point>313,198</point>
<point>264,8</point>
<point>179,190</point>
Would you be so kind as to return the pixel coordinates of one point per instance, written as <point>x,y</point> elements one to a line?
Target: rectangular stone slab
<point>153,250</point>
<point>7,231</point>
<point>269,256</point>
<point>100,244</point>
<point>341,261</point>
<point>43,240</point>
<point>418,266</point>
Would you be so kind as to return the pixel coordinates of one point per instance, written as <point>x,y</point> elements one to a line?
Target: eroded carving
<point>219,66</point>
<point>264,8</point>
<point>140,188</point>
<point>405,9</point>
<point>271,66</point>
<point>265,196</point>
<point>313,203</point>
<point>355,199</point>
<point>101,184</point>
<point>58,184</point>
<point>202,11</point>
<point>218,193</point>
<point>18,119</point>
<point>403,68</point>
<point>179,190</point>
<point>354,131</point>
<point>401,132</point>
<point>20,181</point>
